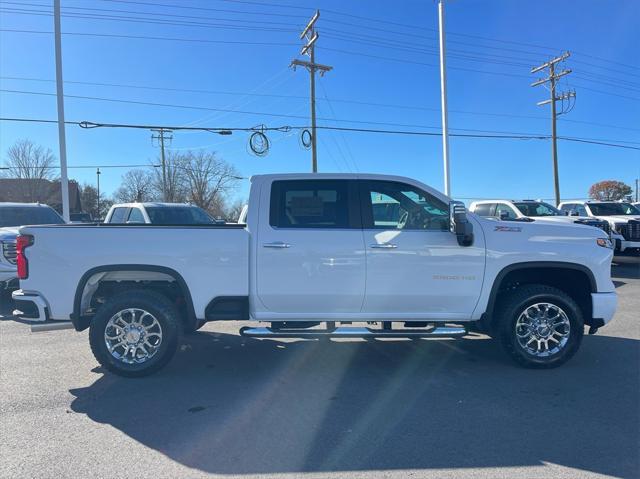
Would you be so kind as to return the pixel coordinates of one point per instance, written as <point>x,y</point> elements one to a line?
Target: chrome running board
<point>50,326</point>
<point>351,332</point>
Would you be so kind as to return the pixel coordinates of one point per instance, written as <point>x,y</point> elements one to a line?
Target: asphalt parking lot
<point>229,406</point>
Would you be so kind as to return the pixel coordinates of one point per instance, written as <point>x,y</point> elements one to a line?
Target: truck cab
<point>323,255</point>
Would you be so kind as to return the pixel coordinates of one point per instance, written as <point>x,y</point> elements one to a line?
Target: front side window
<point>393,205</point>
<point>610,209</point>
<point>310,204</point>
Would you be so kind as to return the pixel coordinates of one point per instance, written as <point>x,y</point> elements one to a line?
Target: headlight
<point>605,243</point>
<point>617,226</point>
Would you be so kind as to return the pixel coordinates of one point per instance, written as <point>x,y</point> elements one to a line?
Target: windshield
<point>609,209</point>
<point>178,215</point>
<point>537,208</point>
<point>28,215</point>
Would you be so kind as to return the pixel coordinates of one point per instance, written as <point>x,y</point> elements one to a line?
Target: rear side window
<point>507,210</point>
<point>483,209</point>
<point>311,204</point>
<point>119,215</point>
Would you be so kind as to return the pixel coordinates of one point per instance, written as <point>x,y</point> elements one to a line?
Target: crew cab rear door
<point>310,249</point>
<point>415,267</point>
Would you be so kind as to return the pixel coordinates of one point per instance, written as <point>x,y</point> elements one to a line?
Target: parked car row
<point>620,220</point>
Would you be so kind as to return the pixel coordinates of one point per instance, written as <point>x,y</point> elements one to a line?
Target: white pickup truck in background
<point>623,219</point>
<point>388,252</point>
<point>532,209</point>
<point>158,214</point>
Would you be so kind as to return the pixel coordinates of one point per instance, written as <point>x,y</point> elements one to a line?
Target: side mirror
<point>459,224</point>
<point>504,215</point>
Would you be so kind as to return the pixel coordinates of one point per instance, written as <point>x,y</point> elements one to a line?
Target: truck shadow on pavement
<point>231,405</point>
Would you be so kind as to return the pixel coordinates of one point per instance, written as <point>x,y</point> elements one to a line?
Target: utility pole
<point>62,139</point>
<point>637,195</point>
<point>552,79</point>
<point>310,34</point>
<point>443,97</point>
<point>160,136</point>
<point>98,199</point>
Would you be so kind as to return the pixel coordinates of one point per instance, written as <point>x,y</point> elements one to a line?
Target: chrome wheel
<point>133,336</point>
<point>543,329</point>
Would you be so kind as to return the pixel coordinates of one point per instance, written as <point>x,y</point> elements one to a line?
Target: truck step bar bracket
<point>353,332</point>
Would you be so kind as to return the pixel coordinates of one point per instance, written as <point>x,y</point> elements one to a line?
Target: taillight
<point>22,243</point>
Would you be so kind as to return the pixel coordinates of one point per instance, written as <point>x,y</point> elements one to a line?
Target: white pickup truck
<point>388,252</point>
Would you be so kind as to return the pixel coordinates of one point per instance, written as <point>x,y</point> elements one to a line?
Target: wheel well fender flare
<point>81,323</point>
<point>533,265</point>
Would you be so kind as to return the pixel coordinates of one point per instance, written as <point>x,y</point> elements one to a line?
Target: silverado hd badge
<point>512,229</point>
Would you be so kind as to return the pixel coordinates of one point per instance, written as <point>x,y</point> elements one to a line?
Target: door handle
<point>276,244</point>
<point>383,245</point>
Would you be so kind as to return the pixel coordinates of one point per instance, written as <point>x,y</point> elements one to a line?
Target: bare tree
<point>209,179</point>
<point>137,185</point>
<point>232,211</point>
<point>28,161</point>
<point>176,189</point>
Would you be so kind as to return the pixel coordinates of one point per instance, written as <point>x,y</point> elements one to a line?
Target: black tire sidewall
<point>527,297</point>
<point>155,304</point>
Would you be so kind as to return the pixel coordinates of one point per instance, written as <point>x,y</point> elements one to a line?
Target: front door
<point>310,255</point>
<point>415,267</point>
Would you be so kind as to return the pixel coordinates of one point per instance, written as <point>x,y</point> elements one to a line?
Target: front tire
<point>540,326</point>
<point>135,333</point>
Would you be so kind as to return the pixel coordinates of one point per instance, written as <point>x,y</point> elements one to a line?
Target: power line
<point>185,7</point>
<point>334,100</point>
<point>146,37</point>
<point>171,15</point>
<point>277,115</point>
<point>329,127</point>
<point>461,55</point>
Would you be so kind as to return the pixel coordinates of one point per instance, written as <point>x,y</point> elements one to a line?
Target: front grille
<point>9,251</point>
<point>603,225</point>
<point>630,231</point>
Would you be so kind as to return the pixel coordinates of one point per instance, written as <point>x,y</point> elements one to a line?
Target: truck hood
<point>618,219</point>
<point>540,228</point>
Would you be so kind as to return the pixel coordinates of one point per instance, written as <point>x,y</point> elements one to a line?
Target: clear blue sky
<point>504,37</point>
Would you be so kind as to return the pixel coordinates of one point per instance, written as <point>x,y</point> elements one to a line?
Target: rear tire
<point>539,326</point>
<point>135,333</point>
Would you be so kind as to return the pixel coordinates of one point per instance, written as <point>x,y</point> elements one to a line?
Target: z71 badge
<point>511,229</point>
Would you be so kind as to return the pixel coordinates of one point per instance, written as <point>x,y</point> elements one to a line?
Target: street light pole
<point>443,96</point>
<point>64,181</point>
<point>98,200</point>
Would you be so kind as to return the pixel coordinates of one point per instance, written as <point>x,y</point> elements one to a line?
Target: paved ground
<point>234,407</point>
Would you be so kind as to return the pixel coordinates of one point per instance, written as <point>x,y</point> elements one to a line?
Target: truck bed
<point>212,259</point>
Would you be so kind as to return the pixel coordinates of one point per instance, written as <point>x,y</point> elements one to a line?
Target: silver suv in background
<point>12,216</point>
<point>623,219</point>
<point>524,210</point>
